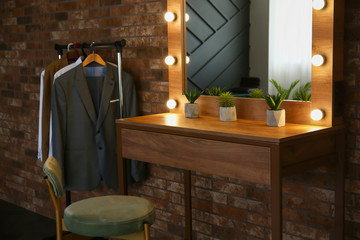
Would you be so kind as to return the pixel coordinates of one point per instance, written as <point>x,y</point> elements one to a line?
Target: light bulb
<point>187,17</point>
<point>318,4</point>
<point>169,16</point>
<point>187,60</point>
<point>170,60</point>
<point>171,104</point>
<point>317,114</point>
<point>318,60</point>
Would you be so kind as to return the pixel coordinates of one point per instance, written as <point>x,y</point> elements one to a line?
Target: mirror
<point>240,45</point>
<point>327,40</point>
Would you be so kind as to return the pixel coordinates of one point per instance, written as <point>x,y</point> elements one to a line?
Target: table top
<point>241,129</point>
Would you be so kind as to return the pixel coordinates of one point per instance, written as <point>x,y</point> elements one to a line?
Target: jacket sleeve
<point>137,169</point>
<point>129,93</point>
<point>59,116</point>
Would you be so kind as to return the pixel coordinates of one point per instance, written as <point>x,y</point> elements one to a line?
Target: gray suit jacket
<point>84,131</point>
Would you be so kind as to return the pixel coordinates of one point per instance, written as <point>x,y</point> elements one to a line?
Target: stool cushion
<point>109,215</point>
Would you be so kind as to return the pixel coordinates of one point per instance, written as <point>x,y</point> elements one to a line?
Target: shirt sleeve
<point>39,155</point>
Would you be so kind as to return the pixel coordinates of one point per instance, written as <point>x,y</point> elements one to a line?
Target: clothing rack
<point>118,45</point>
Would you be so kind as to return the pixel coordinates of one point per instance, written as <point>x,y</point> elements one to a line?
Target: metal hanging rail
<point>117,44</point>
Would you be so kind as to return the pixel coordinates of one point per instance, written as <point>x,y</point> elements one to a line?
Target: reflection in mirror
<point>241,45</point>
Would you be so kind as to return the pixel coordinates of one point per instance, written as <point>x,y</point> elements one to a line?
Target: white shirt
<point>40,114</point>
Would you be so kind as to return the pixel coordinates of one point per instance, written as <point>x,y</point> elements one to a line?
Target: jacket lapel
<point>108,87</point>
<point>83,90</point>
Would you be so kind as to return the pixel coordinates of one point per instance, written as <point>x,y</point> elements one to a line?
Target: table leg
<point>122,173</point>
<point>276,195</point>
<point>188,207</point>
<point>339,188</point>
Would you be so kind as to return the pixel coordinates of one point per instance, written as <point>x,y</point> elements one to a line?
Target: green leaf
<point>291,88</point>
<point>283,91</point>
<point>226,99</point>
<point>278,87</point>
<point>256,93</point>
<point>215,91</point>
<point>274,101</point>
<point>192,95</point>
<point>303,93</point>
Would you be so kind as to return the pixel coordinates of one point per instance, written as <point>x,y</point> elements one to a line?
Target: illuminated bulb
<point>171,104</point>
<point>318,60</point>
<point>318,4</point>
<point>169,16</point>
<point>170,60</point>
<point>187,60</point>
<point>317,115</point>
<point>187,17</point>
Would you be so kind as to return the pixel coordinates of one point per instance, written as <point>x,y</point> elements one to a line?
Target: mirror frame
<point>327,40</point>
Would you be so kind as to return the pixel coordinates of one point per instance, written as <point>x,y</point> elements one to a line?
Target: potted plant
<point>192,109</point>
<point>227,107</point>
<point>275,116</point>
<point>215,91</point>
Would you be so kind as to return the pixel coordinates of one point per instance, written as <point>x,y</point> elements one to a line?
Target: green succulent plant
<point>283,91</point>
<point>215,91</point>
<point>192,95</point>
<point>256,93</point>
<point>274,101</point>
<point>303,93</point>
<point>226,99</point>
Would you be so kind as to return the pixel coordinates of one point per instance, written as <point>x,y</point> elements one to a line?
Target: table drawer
<point>246,162</point>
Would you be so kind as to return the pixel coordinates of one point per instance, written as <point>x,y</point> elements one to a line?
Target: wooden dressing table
<point>246,149</point>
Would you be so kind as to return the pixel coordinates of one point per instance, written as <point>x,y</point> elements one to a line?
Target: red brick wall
<point>352,117</point>
<point>223,208</point>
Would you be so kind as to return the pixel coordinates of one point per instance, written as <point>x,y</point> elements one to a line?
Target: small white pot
<point>275,118</point>
<point>228,114</point>
<point>192,110</point>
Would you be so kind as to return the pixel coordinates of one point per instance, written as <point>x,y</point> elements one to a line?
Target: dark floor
<point>17,223</point>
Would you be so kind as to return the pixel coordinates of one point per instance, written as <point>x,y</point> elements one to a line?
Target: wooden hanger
<point>93,57</point>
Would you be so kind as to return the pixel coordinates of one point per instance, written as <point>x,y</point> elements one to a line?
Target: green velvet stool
<point>127,217</point>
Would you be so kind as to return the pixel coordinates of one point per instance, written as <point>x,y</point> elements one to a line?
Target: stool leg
<point>147,231</point>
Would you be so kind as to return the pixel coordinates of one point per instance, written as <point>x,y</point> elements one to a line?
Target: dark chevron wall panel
<point>217,43</point>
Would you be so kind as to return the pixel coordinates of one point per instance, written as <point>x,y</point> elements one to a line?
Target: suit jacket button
<point>100,148</point>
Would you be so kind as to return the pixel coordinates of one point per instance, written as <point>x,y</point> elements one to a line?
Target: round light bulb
<point>187,17</point>
<point>169,16</point>
<point>318,60</point>
<point>318,4</point>
<point>187,59</point>
<point>171,103</point>
<point>317,115</point>
<point>170,60</point>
